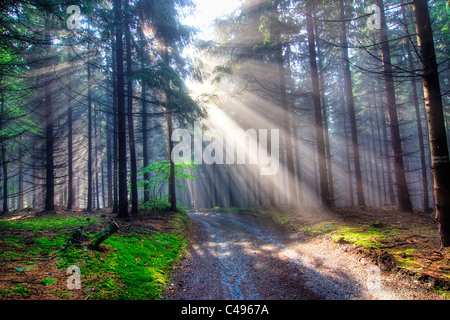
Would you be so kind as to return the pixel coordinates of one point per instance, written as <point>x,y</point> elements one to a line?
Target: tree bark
<point>172,191</point>
<point>132,148</point>
<point>280,60</point>
<point>440,165</point>
<point>109,157</point>
<point>323,180</point>
<point>415,98</point>
<point>96,168</point>
<point>404,198</point>
<point>145,138</point>
<point>89,159</point>
<point>3,158</point>
<point>325,120</point>
<point>115,206</point>
<point>121,119</point>
<point>20,198</point>
<point>104,234</point>
<point>69,156</point>
<point>348,87</point>
<point>49,160</point>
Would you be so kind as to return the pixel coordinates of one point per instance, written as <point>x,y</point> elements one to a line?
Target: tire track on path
<point>240,256</point>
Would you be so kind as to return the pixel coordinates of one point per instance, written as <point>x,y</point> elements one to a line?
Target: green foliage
<point>46,223</point>
<point>134,264</point>
<point>34,240</point>
<point>159,178</point>
<point>21,289</point>
<point>138,265</point>
<point>142,264</point>
<point>160,203</point>
<point>48,281</point>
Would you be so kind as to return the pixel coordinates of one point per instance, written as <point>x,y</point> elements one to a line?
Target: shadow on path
<point>240,257</point>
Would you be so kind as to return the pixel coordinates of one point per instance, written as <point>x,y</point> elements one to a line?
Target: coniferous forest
<point>122,121</point>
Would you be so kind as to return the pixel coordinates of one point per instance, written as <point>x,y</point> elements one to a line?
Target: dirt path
<point>241,257</point>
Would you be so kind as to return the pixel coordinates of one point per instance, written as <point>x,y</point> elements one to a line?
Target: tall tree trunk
<point>69,156</point>
<point>172,190</point>
<point>145,137</point>
<point>325,119</point>
<point>435,113</point>
<point>349,165</point>
<point>20,156</point>
<point>375,156</point>
<point>390,183</point>
<point>323,179</point>
<point>115,206</point>
<point>49,161</point>
<point>423,167</point>
<point>383,179</point>
<point>404,198</point>
<point>97,169</point>
<point>425,198</point>
<point>89,159</point>
<point>293,194</point>
<point>132,148</point>
<point>348,87</point>
<point>109,157</point>
<point>121,118</point>
<point>3,156</point>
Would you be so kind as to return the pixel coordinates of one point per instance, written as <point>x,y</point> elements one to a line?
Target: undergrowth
<point>132,264</point>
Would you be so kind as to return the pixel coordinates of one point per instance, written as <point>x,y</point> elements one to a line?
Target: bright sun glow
<point>207,11</point>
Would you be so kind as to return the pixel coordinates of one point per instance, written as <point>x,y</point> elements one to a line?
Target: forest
<point>122,107</point>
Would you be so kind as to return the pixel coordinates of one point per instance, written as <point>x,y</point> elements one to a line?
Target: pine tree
<point>437,131</point>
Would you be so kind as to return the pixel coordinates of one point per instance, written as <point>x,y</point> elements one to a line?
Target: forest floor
<point>310,254</point>
<point>134,263</point>
<point>258,253</point>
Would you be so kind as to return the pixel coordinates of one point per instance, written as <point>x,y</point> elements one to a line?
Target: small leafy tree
<point>159,173</point>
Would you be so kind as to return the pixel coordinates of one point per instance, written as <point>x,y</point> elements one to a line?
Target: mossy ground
<point>134,263</point>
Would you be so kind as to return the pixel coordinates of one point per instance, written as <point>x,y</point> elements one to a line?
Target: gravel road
<point>240,256</point>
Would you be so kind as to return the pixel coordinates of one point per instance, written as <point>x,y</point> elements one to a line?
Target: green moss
<point>143,265</point>
<point>135,266</point>
<point>21,289</point>
<point>370,237</point>
<point>405,258</point>
<point>181,221</point>
<point>5,292</point>
<point>276,216</point>
<point>38,224</point>
<point>323,228</point>
<point>48,281</point>
<point>443,290</point>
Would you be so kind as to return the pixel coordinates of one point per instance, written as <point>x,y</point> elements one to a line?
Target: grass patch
<point>21,289</point>
<point>276,216</point>
<point>132,267</point>
<point>135,263</point>
<point>39,237</point>
<point>39,224</point>
<point>360,235</point>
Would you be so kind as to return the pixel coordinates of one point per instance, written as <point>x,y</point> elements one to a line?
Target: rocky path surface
<point>240,256</point>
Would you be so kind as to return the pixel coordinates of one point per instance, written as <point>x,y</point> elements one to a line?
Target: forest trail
<point>240,256</point>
